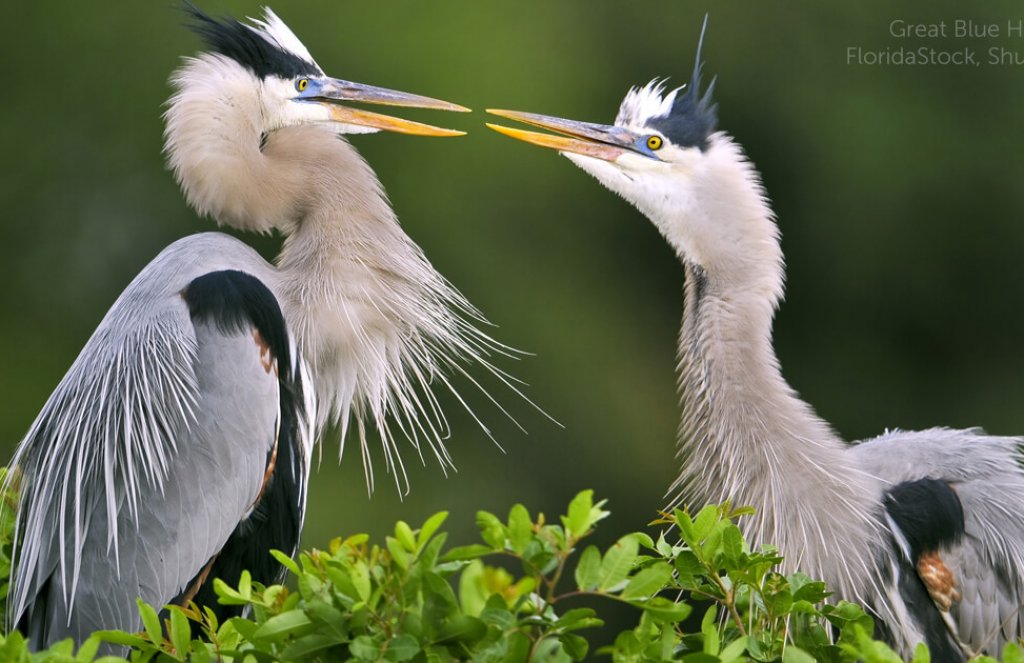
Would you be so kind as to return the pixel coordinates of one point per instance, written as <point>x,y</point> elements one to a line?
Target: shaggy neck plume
<point>374,320</point>
<point>743,428</point>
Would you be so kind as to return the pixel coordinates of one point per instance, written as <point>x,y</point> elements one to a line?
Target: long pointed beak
<point>331,92</point>
<point>600,141</point>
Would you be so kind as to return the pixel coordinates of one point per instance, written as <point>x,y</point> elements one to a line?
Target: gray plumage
<point>178,444</point>
<point>146,456</point>
<point>926,529</point>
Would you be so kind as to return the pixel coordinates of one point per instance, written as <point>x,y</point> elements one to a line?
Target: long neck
<point>374,320</point>
<point>745,435</point>
<point>357,286</point>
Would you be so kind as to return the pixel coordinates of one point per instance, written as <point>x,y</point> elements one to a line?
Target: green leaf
<point>575,646</point>
<point>550,650</point>
<point>583,514</point>
<point>518,650</point>
<point>648,581</point>
<point>405,536</point>
<point>665,609</point>
<point>87,652</point>
<point>150,621</point>
<point>340,577</point>
<point>688,566</point>
<point>472,592</point>
<point>360,576</point>
<point>588,569</point>
<point>732,543</point>
<point>474,551</point>
<point>286,561</point>
<point>662,546</point>
<point>492,530</point>
<point>705,521</point>
<point>429,527</point>
<point>520,528</point>
<point>181,632</point>
<point>686,529</point>
<point>644,540</point>
<point>441,591</point>
<point>462,628</point>
<point>922,655</point>
<point>401,648</point>
<point>811,591</point>
<point>617,563</point>
<point>709,628</point>
<point>398,553</point>
<point>1011,653</point>
<point>245,586</point>
<point>734,650</point>
<point>794,654</point>
<point>577,522</point>
<point>364,648</point>
<point>307,645</point>
<point>575,616</point>
<point>497,615</point>
<point>63,649</point>
<point>328,619</point>
<point>121,638</point>
<point>226,595</point>
<point>700,657</point>
<point>286,623</point>
<point>429,553</point>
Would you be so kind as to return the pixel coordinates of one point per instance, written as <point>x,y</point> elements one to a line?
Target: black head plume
<point>692,117</point>
<point>247,46</point>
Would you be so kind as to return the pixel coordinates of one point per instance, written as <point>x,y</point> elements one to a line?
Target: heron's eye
<point>654,142</point>
<point>301,84</point>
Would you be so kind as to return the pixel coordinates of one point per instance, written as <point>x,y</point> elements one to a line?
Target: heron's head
<point>266,64</point>
<point>664,154</point>
<point>251,127</point>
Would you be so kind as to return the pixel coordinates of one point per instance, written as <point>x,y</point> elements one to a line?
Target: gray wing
<point>987,563</point>
<point>150,452</point>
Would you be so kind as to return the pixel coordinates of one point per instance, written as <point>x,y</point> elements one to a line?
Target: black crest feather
<point>245,46</point>
<point>692,117</point>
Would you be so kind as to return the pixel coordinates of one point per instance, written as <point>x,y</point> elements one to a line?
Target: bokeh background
<point>897,188</point>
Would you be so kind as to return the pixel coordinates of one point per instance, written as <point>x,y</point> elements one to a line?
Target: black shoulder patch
<point>245,46</point>
<point>692,118</point>
<point>236,301</point>
<point>928,514</point>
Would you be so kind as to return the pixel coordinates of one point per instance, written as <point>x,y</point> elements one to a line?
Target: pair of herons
<point>177,447</point>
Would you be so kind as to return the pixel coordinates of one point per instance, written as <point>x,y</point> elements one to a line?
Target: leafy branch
<point>413,599</point>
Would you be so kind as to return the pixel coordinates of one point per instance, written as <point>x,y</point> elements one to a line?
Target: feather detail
<point>105,433</point>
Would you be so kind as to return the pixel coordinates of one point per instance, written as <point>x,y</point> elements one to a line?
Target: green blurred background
<point>898,191</point>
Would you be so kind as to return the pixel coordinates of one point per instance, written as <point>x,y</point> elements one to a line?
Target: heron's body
<point>926,529</point>
<point>181,442</point>
<point>177,447</point>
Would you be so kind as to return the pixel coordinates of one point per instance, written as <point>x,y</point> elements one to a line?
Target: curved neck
<point>215,145</point>
<point>372,317</point>
<point>745,436</point>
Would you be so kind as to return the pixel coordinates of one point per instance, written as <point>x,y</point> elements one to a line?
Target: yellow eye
<point>302,84</point>
<point>654,142</point>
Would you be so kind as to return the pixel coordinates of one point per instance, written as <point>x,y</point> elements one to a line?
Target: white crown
<point>274,30</point>
<point>642,104</point>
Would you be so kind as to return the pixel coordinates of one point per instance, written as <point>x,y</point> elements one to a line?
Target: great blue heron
<point>176,448</point>
<point>925,528</point>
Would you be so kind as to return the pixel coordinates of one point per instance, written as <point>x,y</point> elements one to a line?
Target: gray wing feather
<point>147,455</point>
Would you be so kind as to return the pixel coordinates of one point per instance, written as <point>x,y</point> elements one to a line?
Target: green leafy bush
<point>413,599</point>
